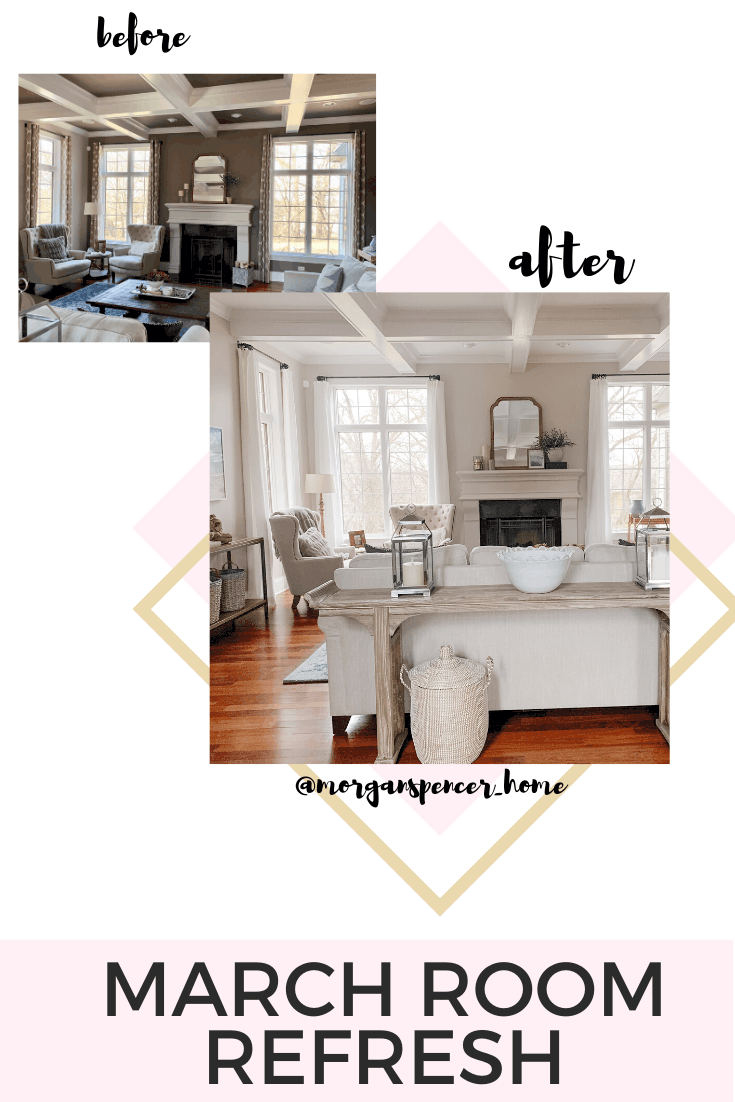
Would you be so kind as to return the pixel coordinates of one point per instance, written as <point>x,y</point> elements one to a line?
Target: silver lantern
<point>652,548</point>
<point>413,558</point>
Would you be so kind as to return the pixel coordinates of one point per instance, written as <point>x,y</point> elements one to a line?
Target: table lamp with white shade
<point>320,484</point>
<point>95,210</point>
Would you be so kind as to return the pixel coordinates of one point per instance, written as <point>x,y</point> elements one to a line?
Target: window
<point>638,429</point>
<point>312,197</point>
<point>49,180</point>
<point>123,189</point>
<point>271,434</point>
<point>383,453</point>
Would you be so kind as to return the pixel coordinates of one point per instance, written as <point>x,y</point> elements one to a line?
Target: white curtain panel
<point>437,445</point>
<point>326,458</point>
<point>254,485</point>
<point>599,527</point>
<point>294,485</point>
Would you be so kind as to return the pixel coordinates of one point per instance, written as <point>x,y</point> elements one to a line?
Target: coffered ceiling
<point>626,332</point>
<point>142,105</point>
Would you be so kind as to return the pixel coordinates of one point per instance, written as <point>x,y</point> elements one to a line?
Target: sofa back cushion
<point>608,552</point>
<point>352,269</point>
<point>454,554</point>
<point>330,278</point>
<point>368,280</point>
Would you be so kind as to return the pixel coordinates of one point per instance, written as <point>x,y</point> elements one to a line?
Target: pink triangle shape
<point>438,259</point>
<point>178,522</point>
<point>691,502</point>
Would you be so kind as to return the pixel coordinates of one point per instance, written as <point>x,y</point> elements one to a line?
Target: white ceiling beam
<point>277,93</point>
<point>62,92</point>
<point>523,319</point>
<point>177,90</point>
<point>263,124</point>
<point>642,351</point>
<point>364,313</point>
<point>300,88</point>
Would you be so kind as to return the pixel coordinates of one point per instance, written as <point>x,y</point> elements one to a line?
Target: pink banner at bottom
<point>115,1021</point>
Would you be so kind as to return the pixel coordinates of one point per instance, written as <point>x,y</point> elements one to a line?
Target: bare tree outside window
<point>312,187</point>
<point>638,431</point>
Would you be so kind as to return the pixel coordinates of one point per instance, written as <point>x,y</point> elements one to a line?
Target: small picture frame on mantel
<point>535,457</point>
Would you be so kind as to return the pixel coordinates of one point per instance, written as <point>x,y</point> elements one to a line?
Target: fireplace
<point>208,254</point>
<point>520,523</point>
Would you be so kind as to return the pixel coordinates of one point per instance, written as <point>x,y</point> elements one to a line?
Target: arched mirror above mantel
<point>207,185</point>
<point>515,425</point>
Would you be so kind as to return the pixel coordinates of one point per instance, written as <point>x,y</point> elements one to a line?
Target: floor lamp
<point>95,210</point>
<point>320,484</point>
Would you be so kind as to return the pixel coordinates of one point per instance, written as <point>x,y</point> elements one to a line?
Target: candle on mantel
<point>181,195</point>
<point>413,573</point>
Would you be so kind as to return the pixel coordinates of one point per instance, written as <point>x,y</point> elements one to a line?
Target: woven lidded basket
<point>448,708</point>
<point>215,595</point>
<point>234,587</point>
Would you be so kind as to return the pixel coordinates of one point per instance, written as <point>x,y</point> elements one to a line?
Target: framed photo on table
<point>357,538</point>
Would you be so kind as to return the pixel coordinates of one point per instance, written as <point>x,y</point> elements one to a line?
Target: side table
<point>98,262</point>
<point>252,603</point>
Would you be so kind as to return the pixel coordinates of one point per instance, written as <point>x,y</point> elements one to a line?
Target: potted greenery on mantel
<point>229,181</point>
<point>553,440</point>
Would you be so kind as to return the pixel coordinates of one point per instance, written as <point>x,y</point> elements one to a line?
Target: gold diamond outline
<point>720,591</point>
<point>144,608</point>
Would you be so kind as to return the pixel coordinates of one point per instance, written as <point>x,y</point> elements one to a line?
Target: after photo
<point>439,528</point>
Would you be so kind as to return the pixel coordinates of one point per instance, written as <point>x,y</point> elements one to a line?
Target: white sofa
<point>356,274</point>
<point>565,658</point>
<point>82,327</point>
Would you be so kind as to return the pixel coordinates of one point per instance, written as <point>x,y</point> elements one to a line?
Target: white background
<point>613,121</point>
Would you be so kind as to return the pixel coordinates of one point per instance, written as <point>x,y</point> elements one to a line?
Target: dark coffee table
<point>123,297</point>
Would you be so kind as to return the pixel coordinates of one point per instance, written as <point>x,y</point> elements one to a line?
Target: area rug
<point>77,300</point>
<point>314,669</point>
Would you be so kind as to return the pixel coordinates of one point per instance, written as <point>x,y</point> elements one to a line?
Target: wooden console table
<point>254,602</point>
<point>383,615</point>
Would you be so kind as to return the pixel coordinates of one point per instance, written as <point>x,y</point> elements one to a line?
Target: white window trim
<point>274,419</point>
<point>647,424</point>
<point>383,428</point>
<point>310,139</point>
<point>55,168</point>
<point>103,175</point>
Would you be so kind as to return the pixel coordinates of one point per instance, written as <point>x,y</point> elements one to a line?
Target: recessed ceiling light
<point>236,115</point>
<point>563,344</point>
<point>173,120</point>
<point>329,103</point>
<point>468,346</point>
<point>366,102</point>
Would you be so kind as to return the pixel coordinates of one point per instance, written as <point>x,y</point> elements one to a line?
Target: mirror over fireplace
<point>515,425</point>
<point>207,185</point>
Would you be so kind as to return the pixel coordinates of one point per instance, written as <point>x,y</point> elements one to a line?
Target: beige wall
<point>562,390</point>
<point>78,183</point>
<point>242,150</point>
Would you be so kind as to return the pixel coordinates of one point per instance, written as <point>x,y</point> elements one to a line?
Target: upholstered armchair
<point>41,269</point>
<point>302,574</point>
<point>142,255</point>
<point>436,516</point>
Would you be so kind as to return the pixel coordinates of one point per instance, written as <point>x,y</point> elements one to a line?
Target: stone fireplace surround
<point>519,484</point>
<point>239,215</point>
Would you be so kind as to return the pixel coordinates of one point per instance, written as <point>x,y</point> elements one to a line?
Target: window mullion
<point>309,191</point>
<point>385,457</point>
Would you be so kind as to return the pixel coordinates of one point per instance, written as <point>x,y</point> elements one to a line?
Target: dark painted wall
<point>242,150</point>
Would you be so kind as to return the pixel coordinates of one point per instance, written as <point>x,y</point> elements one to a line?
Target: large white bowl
<point>536,569</point>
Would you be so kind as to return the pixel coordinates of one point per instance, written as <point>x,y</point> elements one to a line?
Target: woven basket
<point>448,708</point>
<point>215,595</point>
<point>234,587</point>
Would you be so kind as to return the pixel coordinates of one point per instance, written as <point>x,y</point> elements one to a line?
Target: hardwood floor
<point>256,719</point>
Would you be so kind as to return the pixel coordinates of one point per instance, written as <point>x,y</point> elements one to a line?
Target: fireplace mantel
<point>239,215</point>
<point>518,483</point>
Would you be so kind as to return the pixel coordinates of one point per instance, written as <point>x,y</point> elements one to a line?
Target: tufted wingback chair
<point>141,255</point>
<point>436,516</point>
<point>40,269</point>
<point>302,573</point>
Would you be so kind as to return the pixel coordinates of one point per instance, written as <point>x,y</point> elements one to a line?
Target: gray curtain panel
<point>66,183</point>
<point>154,182</point>
<point>358,203</point>
<point>33,133</point>
<point>94,193</point>
<point>266,185</point>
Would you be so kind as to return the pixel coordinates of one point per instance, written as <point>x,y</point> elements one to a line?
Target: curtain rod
<point>329,378</point>
<point>250,348</point>
<point>632,375</point>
